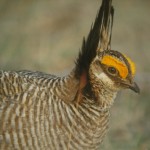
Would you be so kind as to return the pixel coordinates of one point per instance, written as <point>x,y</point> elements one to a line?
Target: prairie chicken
<point>43,111</point>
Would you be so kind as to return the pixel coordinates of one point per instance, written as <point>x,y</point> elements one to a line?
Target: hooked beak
<point>134,87</point>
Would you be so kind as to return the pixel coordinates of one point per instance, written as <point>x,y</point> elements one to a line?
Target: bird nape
<point>43,111</point>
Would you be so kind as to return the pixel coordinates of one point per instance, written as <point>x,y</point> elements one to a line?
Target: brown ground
<point>47,35</point>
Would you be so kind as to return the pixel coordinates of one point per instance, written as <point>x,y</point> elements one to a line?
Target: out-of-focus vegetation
<point>47,35</point>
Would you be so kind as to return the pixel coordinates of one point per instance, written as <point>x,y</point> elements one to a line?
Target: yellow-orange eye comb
<point>119,65</point>
<point>132,65</point>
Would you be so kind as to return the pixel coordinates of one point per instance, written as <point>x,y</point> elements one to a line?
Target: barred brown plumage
<point>33,117</point>
<point>43,111</point>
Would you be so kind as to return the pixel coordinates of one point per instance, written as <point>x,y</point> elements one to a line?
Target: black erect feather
<point>95,37</point>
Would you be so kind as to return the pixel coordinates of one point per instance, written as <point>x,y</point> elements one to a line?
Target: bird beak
<point>134,87</point>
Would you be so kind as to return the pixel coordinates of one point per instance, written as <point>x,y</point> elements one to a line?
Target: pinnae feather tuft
<point>95,37</point>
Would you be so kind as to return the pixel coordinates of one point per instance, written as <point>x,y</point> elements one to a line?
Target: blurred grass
<point>47,35</point>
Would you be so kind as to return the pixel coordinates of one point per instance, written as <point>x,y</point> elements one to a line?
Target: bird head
<point>99,68</point>
<point>114,70</point>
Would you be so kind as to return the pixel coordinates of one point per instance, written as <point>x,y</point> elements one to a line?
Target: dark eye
<point>112,70</point>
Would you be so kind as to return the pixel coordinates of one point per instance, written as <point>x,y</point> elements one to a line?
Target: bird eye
<point>112,70</point>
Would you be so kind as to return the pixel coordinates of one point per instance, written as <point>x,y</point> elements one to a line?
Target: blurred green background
<point>46,35</point>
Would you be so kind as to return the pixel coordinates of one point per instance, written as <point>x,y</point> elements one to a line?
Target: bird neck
<point>103,94</point>
<point>73,90</point>
<point>67,87</point>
